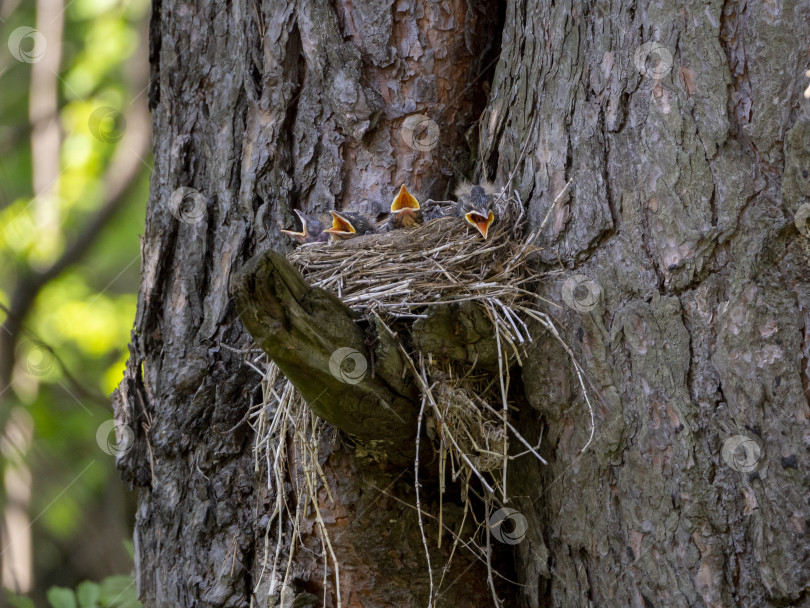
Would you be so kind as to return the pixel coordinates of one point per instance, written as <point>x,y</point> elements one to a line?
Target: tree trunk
<point>687,139</point>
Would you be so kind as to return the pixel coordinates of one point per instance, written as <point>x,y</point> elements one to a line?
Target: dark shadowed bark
<point>683,128</point>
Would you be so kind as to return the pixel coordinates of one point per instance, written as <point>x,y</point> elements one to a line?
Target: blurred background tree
<point>75,161</point>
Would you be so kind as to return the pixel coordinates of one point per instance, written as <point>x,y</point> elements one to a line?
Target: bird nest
<point>404,275</point>
<point>399,274</point>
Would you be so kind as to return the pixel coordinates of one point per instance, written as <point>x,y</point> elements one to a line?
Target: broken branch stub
<point>315,341</point>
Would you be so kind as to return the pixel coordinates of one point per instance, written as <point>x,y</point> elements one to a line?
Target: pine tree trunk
<point>687,140</point>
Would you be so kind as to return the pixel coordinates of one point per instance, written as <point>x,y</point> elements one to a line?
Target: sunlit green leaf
<point>60,597</point>
<point>87,593</point>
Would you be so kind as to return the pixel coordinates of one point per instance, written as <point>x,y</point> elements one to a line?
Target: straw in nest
<point>399,276</point>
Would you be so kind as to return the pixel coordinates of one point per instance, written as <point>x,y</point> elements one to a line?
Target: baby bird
<point>347,225</point>
<point>475,205</point>
<point>312,230</point>
<point>405,210</point>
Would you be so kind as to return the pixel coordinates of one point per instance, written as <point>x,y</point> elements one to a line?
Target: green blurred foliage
<point>74,348</point>
<point>18,601</point>
<point>112,592</point>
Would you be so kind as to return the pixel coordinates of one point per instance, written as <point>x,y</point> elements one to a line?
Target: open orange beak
<point>340,225</point>
<point>480,222</point>
<point>404,202</point>
<point>299,236</point>
<point>296,235</point>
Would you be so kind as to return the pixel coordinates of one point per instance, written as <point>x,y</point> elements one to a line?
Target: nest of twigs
<point>402,275</point>
<point>398,277</point>
<point>399,274</point>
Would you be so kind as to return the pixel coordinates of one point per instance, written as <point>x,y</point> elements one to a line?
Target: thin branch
<point>488,550</point>
<point>418,503</point>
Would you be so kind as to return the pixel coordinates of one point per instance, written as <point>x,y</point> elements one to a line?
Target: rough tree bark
<point>685,133</point>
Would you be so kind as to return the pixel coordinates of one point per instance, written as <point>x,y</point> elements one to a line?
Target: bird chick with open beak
<point>405,210</point>
<point>347,225</point>
<point>312,229</point>
<point>475,206</point>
